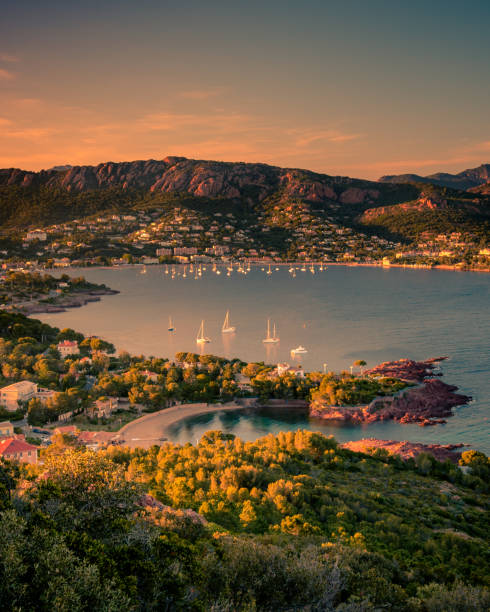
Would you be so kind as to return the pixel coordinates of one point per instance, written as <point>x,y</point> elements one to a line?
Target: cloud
<point>168,121</point>
<point>202,94</point>
<point>5,75</point>
<point>7,57</point>
<point>309,136</point>
<point>5,122</point>
<point>30,133</point>
<point>478,147</point>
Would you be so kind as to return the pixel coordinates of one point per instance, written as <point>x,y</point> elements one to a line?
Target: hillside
<point>436,208</point>
<point>33,198</point>
<point>467,179</point>
<point>100,213</point>
<point>288,522</point>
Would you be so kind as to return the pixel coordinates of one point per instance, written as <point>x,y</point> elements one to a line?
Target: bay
<point>340,314</point>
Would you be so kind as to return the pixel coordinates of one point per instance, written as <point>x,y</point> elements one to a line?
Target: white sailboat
<point>270,339</point>
<point>201,338</point>
<point>143,270</point>
<point>227,328</point>
<point>170,325</point>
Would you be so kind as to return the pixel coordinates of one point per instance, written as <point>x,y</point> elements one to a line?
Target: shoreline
<point>326,264</point>
<point>141,428</point>
<point>142,433</point>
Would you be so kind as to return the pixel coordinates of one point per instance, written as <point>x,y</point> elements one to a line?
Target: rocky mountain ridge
<point>465,180</point>
<point>201,178</point>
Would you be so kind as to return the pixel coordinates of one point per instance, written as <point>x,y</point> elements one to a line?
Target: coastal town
<point>175,234</point>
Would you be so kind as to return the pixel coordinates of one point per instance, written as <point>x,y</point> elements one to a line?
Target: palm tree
<point>361,363</point>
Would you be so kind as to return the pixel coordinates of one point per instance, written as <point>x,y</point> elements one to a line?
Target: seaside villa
<point>18,450</point>
<point>68,347</point>
<point>11,395</point>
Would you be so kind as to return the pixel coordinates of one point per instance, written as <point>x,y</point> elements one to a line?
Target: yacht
<point>227,328</point>
<point>201,338</point>
<point>299,350</point>
<point>270,339</point>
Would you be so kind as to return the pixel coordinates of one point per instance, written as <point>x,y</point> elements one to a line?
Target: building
<point>6,429</point>
<point>185,251</point>
<point>151,376</point>
<point>36,235</point>
<point>68,347</point>
<point>164,252</point>
<point>11,396</point>
<point>94,440</point>
<point>285,368</point>
<point>103,407</point>
<point>18,450</point>
<point>45,394</point>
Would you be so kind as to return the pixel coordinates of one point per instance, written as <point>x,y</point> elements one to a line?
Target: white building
<point>285,368</point>
<point>22,391</point>
<point>68,347</point>
<point>36,235</point>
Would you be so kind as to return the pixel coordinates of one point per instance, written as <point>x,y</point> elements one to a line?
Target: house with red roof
<point>67,348</point>
<point>18,450</point>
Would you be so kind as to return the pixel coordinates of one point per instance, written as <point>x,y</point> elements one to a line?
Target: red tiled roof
<point>10,446</point>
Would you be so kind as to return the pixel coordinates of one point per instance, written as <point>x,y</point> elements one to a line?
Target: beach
<point>154,428</point>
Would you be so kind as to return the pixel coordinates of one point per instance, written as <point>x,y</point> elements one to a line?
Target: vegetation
<point>348,390</point>
<point>26,286</point>
<point>289,522</point>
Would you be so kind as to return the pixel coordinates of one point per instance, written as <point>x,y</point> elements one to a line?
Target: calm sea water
<point>340,315</point>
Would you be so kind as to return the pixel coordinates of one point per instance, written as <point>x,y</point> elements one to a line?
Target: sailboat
<point>170,325</point>
<point>227,328</point>
<point>269,271</point>
<point>201,338</point>
<point>143,270</point>
<point>270,339</point>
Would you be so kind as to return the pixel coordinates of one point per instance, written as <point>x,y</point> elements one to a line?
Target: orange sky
<point>332,89</point>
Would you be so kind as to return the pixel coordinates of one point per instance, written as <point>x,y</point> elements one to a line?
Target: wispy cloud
<point>5,75</point>
<point>5,122</point>
<point>168,121</point>
<point>202,94</point>
<point>7,57</point>
<point>307,137</point>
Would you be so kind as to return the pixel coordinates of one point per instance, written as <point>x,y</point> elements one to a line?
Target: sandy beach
<point>153,428</point>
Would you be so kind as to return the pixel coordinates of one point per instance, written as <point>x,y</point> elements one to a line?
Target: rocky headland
<point>407,450</point>
<point>426,401</point>
<point>64,302</point>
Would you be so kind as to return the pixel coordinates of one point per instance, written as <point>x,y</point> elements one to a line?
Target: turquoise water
<point>341,314</point>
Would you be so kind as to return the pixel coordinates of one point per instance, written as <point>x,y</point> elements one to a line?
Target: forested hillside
<point>29,199</point>
<point>290,522</point>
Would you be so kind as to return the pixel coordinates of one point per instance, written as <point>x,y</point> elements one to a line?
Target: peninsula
<point>422,398</point>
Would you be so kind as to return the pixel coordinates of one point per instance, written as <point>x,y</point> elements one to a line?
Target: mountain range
<point>64,193</point>
<point>471,179</point>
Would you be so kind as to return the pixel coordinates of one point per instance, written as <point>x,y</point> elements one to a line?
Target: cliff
<point>406,450</point>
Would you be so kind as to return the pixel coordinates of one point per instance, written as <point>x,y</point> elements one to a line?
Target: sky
<point>344,87</point>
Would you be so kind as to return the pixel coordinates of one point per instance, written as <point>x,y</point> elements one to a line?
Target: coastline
<point>154,428</point>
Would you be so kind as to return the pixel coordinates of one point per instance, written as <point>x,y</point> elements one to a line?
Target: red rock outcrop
<point>428,403</point>
<point>406,450</point>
